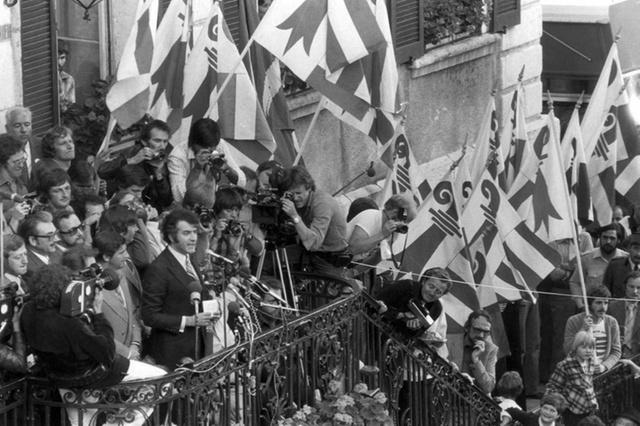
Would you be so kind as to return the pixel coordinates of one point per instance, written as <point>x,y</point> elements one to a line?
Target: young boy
<point>573,378</point>
<point>551,405</point>
<point>509,387</point>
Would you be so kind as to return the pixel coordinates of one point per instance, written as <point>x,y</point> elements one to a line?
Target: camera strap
<point>393,258</point>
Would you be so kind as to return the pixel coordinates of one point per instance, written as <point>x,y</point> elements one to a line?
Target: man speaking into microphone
<point>172,294</point>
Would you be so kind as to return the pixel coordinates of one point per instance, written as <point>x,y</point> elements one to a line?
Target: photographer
<point>228,234</point>
<point>319,222</point>
<point>150,154</point>
<point>204,156</point>
<point>75,351</point>
<point>13,162</point>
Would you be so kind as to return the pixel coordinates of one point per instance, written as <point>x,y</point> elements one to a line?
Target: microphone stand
<point>368,171</point>
<point>197,340</point>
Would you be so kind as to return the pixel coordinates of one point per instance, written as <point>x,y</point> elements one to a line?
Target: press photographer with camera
<point>319,222</point>
<point>204,156</point>
<point>13,162</point>
<point>228,233</point>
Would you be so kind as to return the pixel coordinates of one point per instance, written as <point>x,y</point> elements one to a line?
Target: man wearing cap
<point>626,313</point>
<point>619,268</point>
<point>595,262</point>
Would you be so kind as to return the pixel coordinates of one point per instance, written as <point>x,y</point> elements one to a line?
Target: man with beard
<point>595,262</point>
<point>619,268</point>
<point>626,313</point>
<point>604,328</point>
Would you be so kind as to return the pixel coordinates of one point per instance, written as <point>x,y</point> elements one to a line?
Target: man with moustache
<point>604,328</point>
<point>58,151</point>
<point>619,268</point>
<point>15,261</point>
<point>595,262</point>
<point>18,124</point>
<point>626,313</point>
<point>39,234</point>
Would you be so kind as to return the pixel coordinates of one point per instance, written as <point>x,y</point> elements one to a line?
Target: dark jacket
<point>67,346</point>
<point>165,300</point>
<point>615,274</point>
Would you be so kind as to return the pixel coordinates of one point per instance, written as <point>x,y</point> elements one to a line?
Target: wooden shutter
<point>407,28</point>
<point>506,13</point>
<point>39,63</point>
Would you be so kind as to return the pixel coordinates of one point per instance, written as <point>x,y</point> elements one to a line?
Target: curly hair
<point>205,133</point>
<point>48,284</point>
<point>169,225</point>
<point>49,140</point>
<point>226,198</point>
<point>296,176</point>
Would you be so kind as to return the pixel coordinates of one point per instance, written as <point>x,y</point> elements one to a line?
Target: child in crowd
<point>509,387</point>
<point>551,406</point>
<point>573,378</point>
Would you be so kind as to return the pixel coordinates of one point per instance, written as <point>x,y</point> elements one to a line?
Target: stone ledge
<point>454,54</point>
<point>303,104</point>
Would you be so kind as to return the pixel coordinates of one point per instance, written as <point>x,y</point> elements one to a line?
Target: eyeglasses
<point>50,236</point>
<point>71,231</point>
<point>481,331</point>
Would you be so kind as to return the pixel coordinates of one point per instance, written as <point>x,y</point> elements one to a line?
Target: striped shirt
<point>601,340</point>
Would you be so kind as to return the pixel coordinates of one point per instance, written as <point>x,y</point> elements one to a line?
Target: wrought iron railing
<point>260,381</point>
<point>617,391</point>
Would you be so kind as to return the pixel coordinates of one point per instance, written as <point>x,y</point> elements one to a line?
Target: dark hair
<point>81,172</point>
<point>359,205</point>
<point>480,313</point>
<point>118,196</point>
<point>599,292</point>
<point>226,198</point>
<point>28,226</point>
<point>51,178</point>
<point>612,227</point>
<point>510,385</point>
<point>62,50</point>
<point>9,146</point>
<point>169,225</point>
<point>268,165</point>
<point>298,175</point>
<point>439,274</point>
<point>80,202</point>
<point>117,218</point>
<point>107,242</point>
<point>47,285</point>
<point>145,133</point>
<point>205,133</point>
<point>132,174</point>
<point>12,242</point>
<point>554,399</point>
<point>49,140</point>
<point>631,276</point>
<point>249,173</point>
<point>60,216</point>
<point>74,258</point>
<point>591,420</point>
<point>198,195</point>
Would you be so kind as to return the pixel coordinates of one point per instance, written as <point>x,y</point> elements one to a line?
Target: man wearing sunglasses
<point>71,232</point>
<point>39,234</point>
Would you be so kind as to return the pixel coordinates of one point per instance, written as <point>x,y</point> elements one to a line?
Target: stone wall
<point>11,58</point>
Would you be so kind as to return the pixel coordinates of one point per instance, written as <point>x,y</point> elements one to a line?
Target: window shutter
<point>506,13</point>
<point>407,28</point>
<point>39,63</point>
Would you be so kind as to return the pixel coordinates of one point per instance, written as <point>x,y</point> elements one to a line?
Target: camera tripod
<point>282,268</point>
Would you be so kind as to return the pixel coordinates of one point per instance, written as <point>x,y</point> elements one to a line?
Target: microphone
<point>221,257</point>
<point>109,279</point>
<point>371,172</point>
<point>194,288</point>
<point>262,286</point>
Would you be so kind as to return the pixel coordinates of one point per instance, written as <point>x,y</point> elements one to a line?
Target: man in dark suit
<point>168,293</point>
<point>619,268</point>
<point>19,124</point>
<point>626,313</point>
<point>39,234</point>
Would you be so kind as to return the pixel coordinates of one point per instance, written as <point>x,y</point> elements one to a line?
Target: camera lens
<point>402,229</point>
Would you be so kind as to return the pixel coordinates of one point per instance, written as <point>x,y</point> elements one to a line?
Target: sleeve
<point>321,214</point>
<point>153,296</point>
<point>485,373</point>
<point>178,170</point>
<point>616,350</point>
<point>98,341</point>
<point>607,279</point>
<point>520,416</point>
<point>139,251</point>
<point>557,380</point>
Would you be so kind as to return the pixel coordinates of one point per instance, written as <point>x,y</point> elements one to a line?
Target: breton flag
<point>341,48</point>
<point>487,146</point>
<point>404,175</point>
<point>265,71</point>
<point>538,199</point>
<point>434,239</point>
<point>575,166</point>
<point>601,133</point>
<point>515,131</point>
<point>128,98</point>
<point>237,109</point>
<point>167,65</point>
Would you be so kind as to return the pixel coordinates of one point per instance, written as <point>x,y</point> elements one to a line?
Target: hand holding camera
<point>144,154</point>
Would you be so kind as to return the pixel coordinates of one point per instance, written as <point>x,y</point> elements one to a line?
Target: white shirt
<point>44,258</point>
<point>15,279</point>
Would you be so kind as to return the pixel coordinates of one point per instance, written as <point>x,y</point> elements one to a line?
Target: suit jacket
<point>575,324</point>
<point>122,316</point>
<point>615,274</point>
<point>34,263</point>
<point>618,310</point>
<point>165,300</point>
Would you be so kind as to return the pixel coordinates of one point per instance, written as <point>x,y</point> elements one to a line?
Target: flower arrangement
<point>358,407</point>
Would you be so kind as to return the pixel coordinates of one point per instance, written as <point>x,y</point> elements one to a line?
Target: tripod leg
<point>261,263</point>
<point>289,281</point>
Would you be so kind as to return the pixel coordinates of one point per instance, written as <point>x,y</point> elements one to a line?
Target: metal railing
<point>263,380</point>
<point>617,391</point>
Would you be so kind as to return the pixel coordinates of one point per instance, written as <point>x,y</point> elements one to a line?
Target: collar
<point>43,257</point>
<point>550,424</point>
<point>180,257</point>
<point>5,178</point>
<point>16,279</point>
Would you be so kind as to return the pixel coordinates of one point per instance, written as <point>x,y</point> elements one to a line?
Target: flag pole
<point>308,134</point>
<point>226,81</point>
<point>565,189</point>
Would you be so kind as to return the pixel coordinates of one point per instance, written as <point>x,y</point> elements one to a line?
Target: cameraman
<point>319,222</point>
<point>149,153</point>
<point>191,160</point>
<point>228,234</point>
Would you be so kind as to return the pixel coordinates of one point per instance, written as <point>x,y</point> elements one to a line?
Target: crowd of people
<point>168,237</point>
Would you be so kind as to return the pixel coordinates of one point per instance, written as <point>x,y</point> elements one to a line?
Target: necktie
<point>628,322</point>
<point>190,269</point>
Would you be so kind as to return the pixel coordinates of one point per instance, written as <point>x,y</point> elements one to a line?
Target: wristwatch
<point>296,219</point>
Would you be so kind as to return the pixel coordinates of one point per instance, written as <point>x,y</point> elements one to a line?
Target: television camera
<point>78,296</point>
